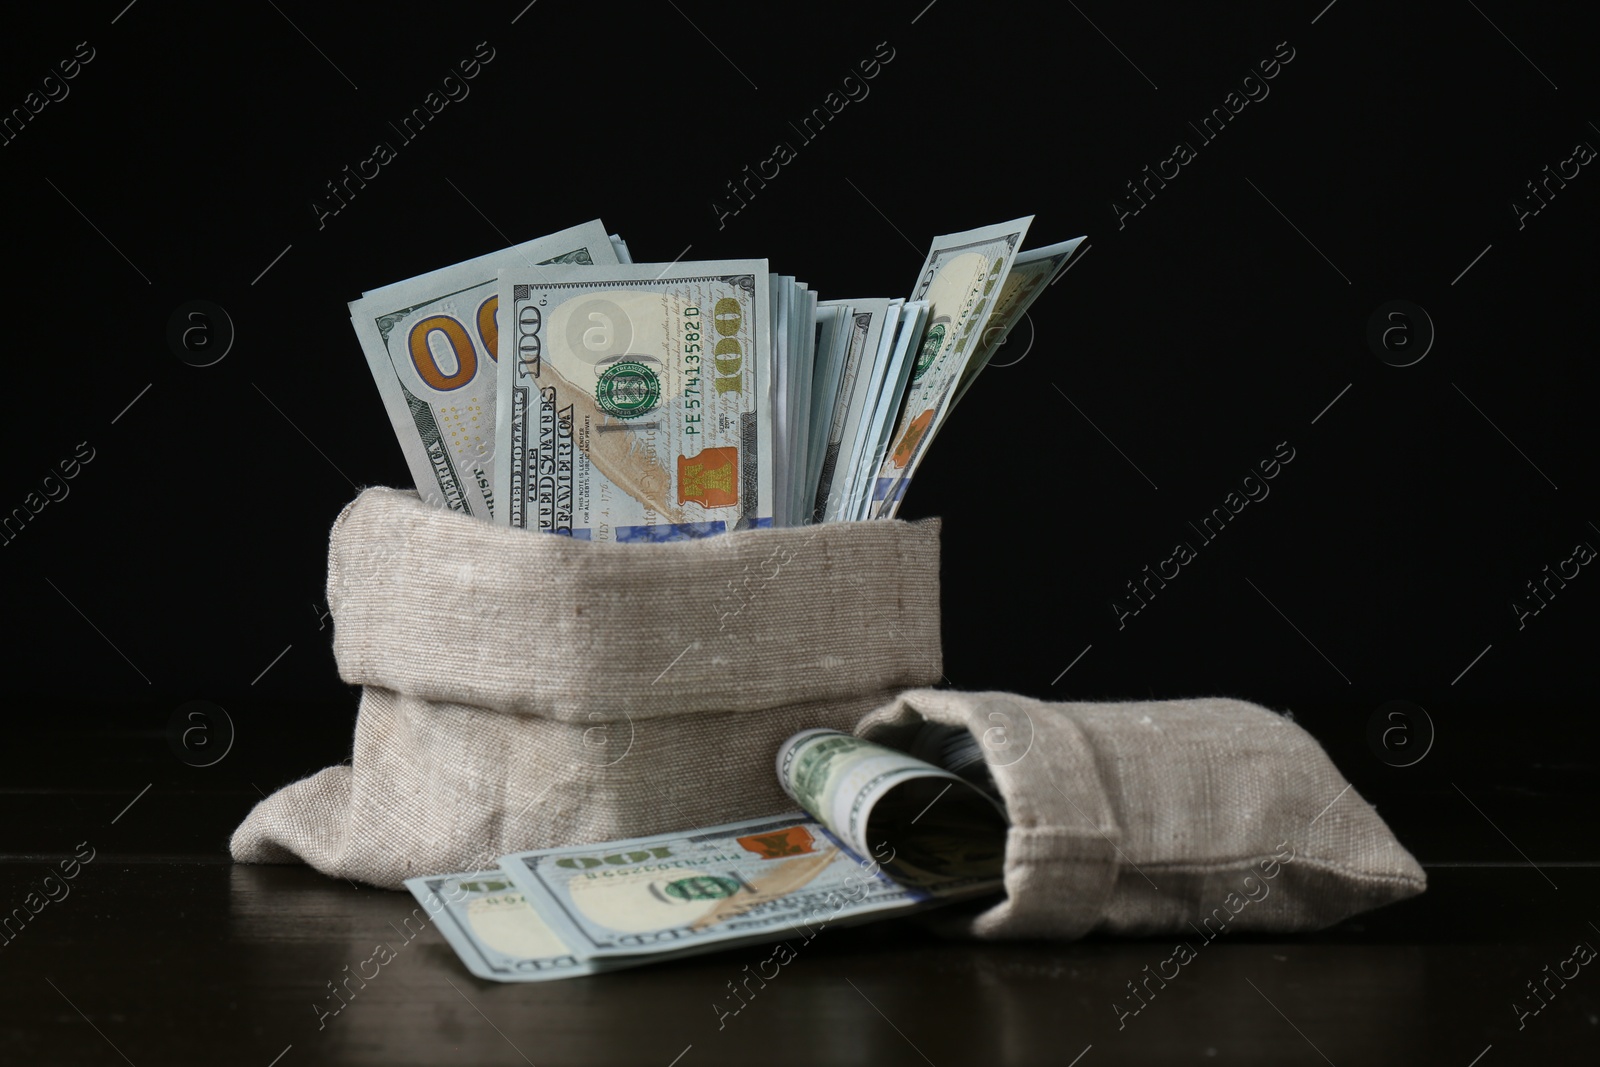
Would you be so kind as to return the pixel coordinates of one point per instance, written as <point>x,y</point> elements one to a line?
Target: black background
<point>1225,317</point>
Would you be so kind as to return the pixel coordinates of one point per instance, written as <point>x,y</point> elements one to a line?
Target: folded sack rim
<point>520,618</point>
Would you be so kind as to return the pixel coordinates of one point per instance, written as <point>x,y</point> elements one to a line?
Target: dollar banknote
<point>431,343</point>
<point>635,402</point>
<point>871,332</point>
<point>831,344</point>
<point>934,828</point>
<point>883,833</point>
<point>783,388</point>
<point>885,402</point>
<point>750,881</point>
<point>801,488</point>
<point>496,932</point>
<point>960,279</point>
<point>793,337</point>
<point>885,388</point>
<point>1033,271</point>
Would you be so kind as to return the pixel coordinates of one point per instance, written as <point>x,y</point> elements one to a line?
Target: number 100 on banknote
<point>634,402</point>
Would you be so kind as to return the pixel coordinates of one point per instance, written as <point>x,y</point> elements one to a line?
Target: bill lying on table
<point>881,833</point>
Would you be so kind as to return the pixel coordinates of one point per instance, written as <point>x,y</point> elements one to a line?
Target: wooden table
<point>164,952</point>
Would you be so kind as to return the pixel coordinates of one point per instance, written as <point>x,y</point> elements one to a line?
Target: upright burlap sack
<point>1193,817</point>
<point>523,690</point>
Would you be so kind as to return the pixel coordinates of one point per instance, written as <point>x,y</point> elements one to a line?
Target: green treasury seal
<point>931,342</point>
<point>627,390</point>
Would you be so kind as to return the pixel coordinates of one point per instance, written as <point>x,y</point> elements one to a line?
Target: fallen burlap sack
<point>525,691</point>
<point>1169,816</point>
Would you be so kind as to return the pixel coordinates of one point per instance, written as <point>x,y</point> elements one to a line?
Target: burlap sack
<point>1195,817</point>
<point>524,690</point>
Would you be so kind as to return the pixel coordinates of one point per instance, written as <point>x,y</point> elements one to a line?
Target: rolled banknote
<point>957,750</point>
<point>938,830</point>
<point>750,881</point>
<point>634,401</point>
<point>960,279</point>
<point>431,343</point>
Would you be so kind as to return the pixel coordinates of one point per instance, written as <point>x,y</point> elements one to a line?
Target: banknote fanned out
<point>635,402</point>
<point>960,280</point>
<point>1033,271</point>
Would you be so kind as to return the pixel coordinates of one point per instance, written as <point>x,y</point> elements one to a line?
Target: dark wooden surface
<point>176,961</point>
<point>163,952</point>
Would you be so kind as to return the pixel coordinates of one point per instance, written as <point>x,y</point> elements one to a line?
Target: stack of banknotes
<point>559,386</point>
<point>880,833</point>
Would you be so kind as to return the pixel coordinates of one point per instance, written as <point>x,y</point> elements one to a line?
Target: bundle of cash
<point>559,386</point>
<point>880,833</point>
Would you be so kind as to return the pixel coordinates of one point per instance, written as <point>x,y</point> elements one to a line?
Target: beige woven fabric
<point>1147,817</point>
<point>525,690</point>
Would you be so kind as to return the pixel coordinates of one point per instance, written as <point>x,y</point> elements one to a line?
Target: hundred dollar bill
<point>1033,271</point>
<point>938,830</point>
<point>431,343</point>
<point>872,332</point>
<point>496,932</point>
<point>885,404</point>
<point>755,880</point>
<point>793,311</point>
<point>782,305</point>
<point>801,489</point>
<point>831,344</point>
<point>961,278</point>
<point>635,401</point>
